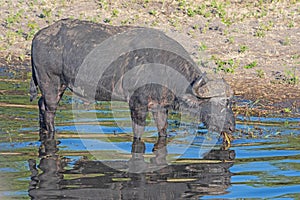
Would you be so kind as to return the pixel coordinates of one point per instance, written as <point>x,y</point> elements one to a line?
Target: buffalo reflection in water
<point>143,180</point>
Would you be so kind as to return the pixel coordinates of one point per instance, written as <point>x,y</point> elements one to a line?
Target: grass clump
<point>227,66</point>
<point>263,28</point>
<point>46,13</point>
<point>153,12</point>
<point>251,65</point>
<point>14,18</point>
<point>191,12</point>
<point>115,13</point>
<point>260,73</point>
<point>103,4</point>
<point>285,42</point>
<point>243,49</point>
<point>292,78</point>
<point>33,28</point>
<point>202,47</point>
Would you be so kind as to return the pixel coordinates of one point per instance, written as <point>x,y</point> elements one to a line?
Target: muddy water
<point>94,156</point>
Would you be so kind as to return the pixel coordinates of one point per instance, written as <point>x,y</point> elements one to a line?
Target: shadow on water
<point>156,179</point>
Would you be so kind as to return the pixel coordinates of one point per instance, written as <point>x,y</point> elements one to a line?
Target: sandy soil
<point>254,45</point>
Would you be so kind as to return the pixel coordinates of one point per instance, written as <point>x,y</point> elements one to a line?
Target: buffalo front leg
<point>138,110</point>
<point>138,117</point>
<point>160,151</point>
<point>160,116</point>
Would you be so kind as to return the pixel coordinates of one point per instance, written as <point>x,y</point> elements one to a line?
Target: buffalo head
<point>210,100</point>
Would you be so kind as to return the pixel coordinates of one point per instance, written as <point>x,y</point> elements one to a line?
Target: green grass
<point>115,13</point>
<point>292,78</point>
<point>251,65</point>
<point>33,28</point>
<point>153,12</point>
<point>46,13</point>
<point>202,47</point>
<point>14,18</point>
<point>243,49</point>
<point>286,41</point>
<point>103,4</point>
<point>260,73</point>
<point>227,66</point>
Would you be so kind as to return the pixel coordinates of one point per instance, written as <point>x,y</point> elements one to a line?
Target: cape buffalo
<point>142,66</point>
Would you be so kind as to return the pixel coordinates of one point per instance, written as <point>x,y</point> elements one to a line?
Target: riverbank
<point>253,45</point>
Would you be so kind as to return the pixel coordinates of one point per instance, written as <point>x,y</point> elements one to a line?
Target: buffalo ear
<point>209,88</point>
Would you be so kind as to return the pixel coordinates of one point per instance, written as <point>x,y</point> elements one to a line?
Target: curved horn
<point>199,82</point>
<point>205,88</point>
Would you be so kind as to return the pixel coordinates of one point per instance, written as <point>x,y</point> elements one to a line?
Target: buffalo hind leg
<point>43,128</point>
<point>51,99</point>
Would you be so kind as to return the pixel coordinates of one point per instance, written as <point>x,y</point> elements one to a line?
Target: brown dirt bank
<point>254,45</point>
<point>266,98</point>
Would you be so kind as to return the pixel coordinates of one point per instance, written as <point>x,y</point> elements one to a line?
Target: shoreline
<point>253,96</point>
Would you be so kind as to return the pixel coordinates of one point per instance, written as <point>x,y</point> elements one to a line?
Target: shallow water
<point>94,156</point>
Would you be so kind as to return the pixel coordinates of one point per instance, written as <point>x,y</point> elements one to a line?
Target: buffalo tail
<point>33,90</point>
